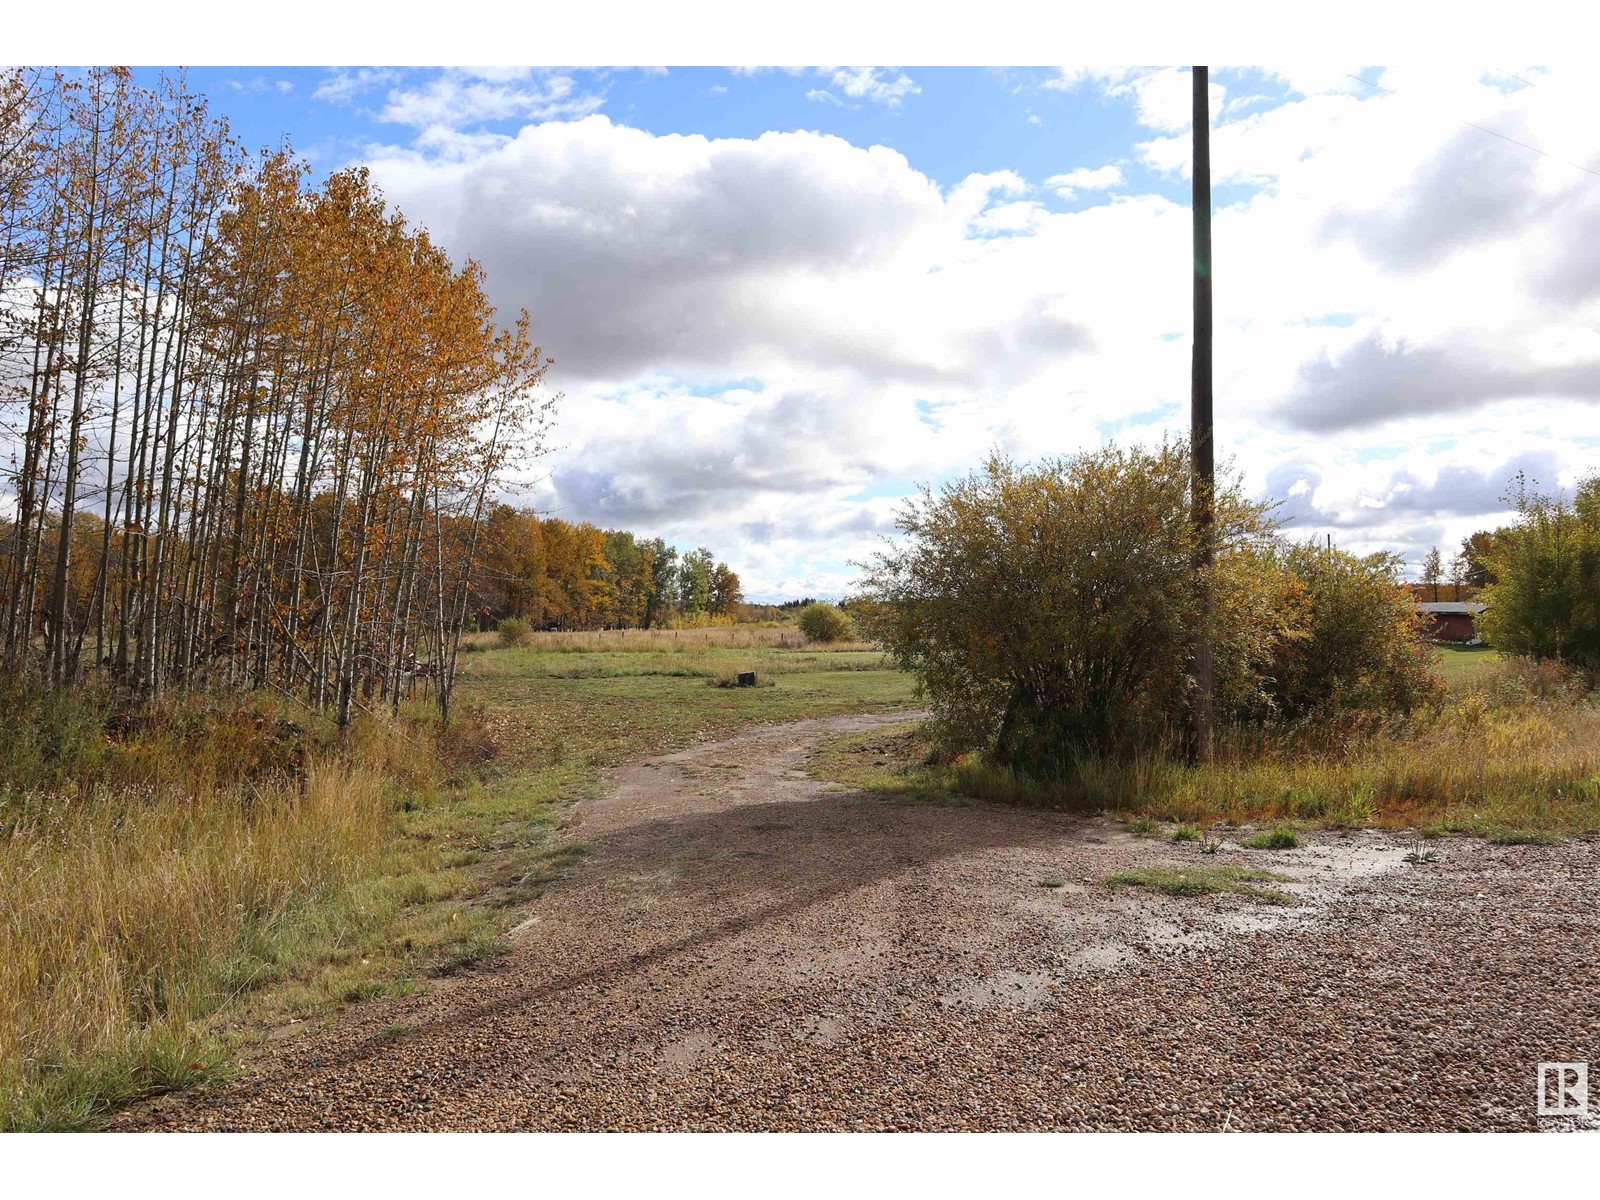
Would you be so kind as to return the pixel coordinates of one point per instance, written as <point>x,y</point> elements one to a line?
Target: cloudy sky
<point>779,300</point>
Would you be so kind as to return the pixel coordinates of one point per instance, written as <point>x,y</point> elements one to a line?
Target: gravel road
<point>748,948</point>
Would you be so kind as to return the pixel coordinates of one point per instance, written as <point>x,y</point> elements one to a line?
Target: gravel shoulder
<point>750,948</point>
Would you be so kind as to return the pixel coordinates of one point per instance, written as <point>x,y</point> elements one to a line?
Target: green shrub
<point>1048,612</point>
<point>1546,603</point>
<point>1352,640</point>
<point>1049,615</point>
<point>513,632</point>
<point>50,735</point>
<point>825,623</point>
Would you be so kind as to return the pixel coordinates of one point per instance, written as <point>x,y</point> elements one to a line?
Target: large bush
<point>824,623</point>
<point>1546,601</point>
<point>1050,612</point>
<point>1352,638</point>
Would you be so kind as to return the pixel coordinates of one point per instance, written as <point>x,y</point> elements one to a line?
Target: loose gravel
<point>749,948</point>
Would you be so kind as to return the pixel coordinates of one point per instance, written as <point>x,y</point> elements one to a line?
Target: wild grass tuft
<point>1279,837</point>
<point>1523,837</point>
<point>1205,881</point>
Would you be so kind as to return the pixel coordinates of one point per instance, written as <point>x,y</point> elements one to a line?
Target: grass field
<point>558,715</point>
<point>176,907</point>
<point>1458,664</point>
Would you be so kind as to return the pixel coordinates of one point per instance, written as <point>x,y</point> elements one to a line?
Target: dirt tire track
<point>748,948</point>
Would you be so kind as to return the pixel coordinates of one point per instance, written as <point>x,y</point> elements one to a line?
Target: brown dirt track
<point>748,948</point>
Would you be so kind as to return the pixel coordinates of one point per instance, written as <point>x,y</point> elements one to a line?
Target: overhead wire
<point>1486,129</point>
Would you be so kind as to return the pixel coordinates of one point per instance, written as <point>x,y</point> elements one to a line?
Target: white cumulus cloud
<point>764,341</point>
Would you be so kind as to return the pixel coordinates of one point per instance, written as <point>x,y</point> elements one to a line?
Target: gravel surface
<point>749,948</point>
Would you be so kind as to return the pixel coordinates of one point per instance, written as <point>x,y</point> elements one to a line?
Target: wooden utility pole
<point>1202,468</point>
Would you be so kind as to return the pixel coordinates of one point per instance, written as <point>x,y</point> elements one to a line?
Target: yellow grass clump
<point>130,911</point>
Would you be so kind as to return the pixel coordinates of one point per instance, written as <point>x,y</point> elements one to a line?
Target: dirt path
<point>748,948</point>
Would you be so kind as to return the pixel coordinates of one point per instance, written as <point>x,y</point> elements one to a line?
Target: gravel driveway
<point>749,948</point>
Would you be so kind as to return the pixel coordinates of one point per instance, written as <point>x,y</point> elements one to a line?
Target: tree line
<point>1468,570</point>
<point>559,575</point>
<point>1541,576</point>
<point>252,425</point>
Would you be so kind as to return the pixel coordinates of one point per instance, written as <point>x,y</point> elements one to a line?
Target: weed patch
<point>1205,881</point>
<point>1523,837</point>
<point>1279,837</point>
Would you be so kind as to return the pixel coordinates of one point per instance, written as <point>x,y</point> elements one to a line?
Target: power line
<point>1517,77</point>
<point>1486,129</point>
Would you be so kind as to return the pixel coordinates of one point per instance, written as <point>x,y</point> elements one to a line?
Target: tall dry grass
<point>152,862</point>
<point>127,913</point>
<point>1514,750</point>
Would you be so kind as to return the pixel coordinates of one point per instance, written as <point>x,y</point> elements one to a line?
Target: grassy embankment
<point>175,884</point>
<point>1510,754</point>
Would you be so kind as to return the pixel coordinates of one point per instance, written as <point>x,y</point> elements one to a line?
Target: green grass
<point>891,762</point>
<point>1205,881</point>
<point>1458,664</point>
<point>1187,833</point>
<point>1279,837</point>
<point>1523,837</point>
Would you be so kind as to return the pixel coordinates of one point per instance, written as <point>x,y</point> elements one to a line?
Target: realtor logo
<point>1563,1089</point>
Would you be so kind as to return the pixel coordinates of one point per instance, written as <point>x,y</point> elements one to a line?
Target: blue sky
<point>959,121</point>
<point>777,299</point>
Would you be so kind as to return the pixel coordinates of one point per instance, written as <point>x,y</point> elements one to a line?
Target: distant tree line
<point>556,574</point>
